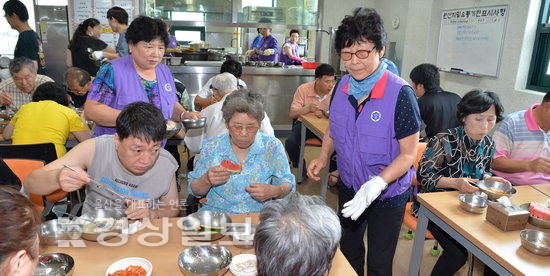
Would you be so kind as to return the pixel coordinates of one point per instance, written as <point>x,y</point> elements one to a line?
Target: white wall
<point>417,40</point>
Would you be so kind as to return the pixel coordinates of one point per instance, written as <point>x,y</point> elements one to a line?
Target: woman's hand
<point>498,179</point>
<point>216,175</point>
<point>464,185</point>
<point>193,115</point>
<point>263,192</point>
<point>137,209</point>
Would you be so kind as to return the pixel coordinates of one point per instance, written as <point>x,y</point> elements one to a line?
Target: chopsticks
<point>97,183</point>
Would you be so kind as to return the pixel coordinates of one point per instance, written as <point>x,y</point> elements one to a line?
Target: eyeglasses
<point>361,54</point>
<point>240,128</point>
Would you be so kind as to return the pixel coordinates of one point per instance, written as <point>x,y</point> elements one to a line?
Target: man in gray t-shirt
<point>118,21</point>
<point>131,163</point>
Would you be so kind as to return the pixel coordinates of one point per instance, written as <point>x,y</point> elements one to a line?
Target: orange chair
<point>409,219</point>
<point>22,168</point>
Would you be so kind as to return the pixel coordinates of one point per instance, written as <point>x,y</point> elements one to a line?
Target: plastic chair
<point>22,168</point>
<point>409,219</point>
<point>45,151</point>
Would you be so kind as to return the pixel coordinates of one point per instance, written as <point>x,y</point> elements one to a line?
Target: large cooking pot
<point>200,56</point>
<point>198,45</point>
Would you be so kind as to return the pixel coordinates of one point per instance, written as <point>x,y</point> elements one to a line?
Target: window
<point>539,73</point>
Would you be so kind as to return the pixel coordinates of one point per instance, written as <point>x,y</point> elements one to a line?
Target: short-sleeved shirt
<point>122,45</point>
<point>265,163</point>
<point>206,92</point>
<point>519,137</point>
<point>81,56</point>
<point>43,122</point>
<point>305,95</point>
<point>19,97</point>
<point>29,45</point>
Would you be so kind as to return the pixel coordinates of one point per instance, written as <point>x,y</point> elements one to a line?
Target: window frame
<point>538,78</point>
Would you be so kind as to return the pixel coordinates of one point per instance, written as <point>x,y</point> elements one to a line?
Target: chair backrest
<point>45,151</point>
<point>22,168</point>
<point>419,153</point>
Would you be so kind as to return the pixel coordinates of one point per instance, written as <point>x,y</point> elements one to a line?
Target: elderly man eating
<point>17,90</point>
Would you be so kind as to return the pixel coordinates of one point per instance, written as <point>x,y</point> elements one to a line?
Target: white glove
<point>249,52</point>
<point>368,192</point>
<point>268,52</point>
<point>97,55</point>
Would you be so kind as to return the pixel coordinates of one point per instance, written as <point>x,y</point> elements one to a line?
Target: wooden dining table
<point>317,125</point>
<point>500,250</point>
<point>160,241</point>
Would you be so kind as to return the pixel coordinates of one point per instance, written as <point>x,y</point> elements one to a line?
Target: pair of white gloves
<point>266,52</point>
<point>368,192</point>
<point>97,55</point>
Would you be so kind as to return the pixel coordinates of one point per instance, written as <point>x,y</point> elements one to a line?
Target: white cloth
<point>215,125</point>
<point>206,92</point>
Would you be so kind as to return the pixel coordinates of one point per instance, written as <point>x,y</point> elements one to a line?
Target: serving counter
<point>276,84</point>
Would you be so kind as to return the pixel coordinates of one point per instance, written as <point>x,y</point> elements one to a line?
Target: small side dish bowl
<point>495,189</point>
<point>204,260</point>
<point>473,203</point>
<point>535,241</point>
<point>533,220</point>
<point>244,265</point>
<point>242,235</point>
<point>206,225</point>
<point>54,264</point>
<point>123,264</point>
<point>194,123</point>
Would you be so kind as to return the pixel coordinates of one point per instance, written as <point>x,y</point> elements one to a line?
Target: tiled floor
<point>404,246</point>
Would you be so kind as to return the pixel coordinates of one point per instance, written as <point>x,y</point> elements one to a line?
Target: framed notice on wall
<point>80,10</point>
<point>471,39</point>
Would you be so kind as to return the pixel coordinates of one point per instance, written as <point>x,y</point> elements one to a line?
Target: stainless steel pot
<point>198,45</point>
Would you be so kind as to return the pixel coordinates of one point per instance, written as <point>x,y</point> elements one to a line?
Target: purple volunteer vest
<point>363,145</point>
<point>293,49</point>
<point>264,44</point>
<point>129,89</point>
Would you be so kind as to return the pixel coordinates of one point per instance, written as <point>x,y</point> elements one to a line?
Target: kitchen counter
<point>276,84</point>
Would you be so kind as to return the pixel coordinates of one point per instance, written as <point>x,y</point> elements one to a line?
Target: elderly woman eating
<point>238,171</point>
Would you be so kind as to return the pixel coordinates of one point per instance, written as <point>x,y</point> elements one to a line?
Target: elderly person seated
<point>130,162</point>
<point>264,171</point>
<point>17,90</point>
<point>78,82</point>
<point>205,96</point>
<point>19,228</point>
<point>300,225</point>
<point>455,159</point>
<point>46,119</point>
<point>222,85</point>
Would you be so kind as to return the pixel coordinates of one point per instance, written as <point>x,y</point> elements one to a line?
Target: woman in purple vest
<point>289,55</point>
<point>139,76</point>
<point>374,127</point>
<point>267,50</point>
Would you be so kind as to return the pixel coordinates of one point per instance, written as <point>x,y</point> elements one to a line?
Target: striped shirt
<point>519,137</point>
<point>19,97</point>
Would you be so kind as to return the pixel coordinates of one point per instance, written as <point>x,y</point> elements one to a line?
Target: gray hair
<point>18,63</point>
<point>243,101</point>
<point>224,83</point>
<point>297,235</point>
<point>75,73</point>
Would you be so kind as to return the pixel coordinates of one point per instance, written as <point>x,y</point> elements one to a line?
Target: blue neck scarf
<point>359,89</point>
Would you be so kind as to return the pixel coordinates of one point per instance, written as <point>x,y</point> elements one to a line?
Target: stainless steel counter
<point>276,84</point>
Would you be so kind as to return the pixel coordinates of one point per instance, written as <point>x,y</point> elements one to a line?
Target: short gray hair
<point>297,235</point>
<point>75,73</point>
<point>243,101</point>
<point>224,83</point>
<point>18,63</point>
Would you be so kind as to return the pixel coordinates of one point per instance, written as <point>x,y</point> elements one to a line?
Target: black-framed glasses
<point>361,54</point>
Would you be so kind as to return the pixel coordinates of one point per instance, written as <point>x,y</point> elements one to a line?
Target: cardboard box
<point>506,218</point>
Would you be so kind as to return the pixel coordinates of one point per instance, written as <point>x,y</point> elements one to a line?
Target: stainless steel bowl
<point>55,230</point>
<point>172,128</point>
<point>54,264</point>
<point>242,235</point>
<point>535,221</point>
<point>194,123</point>
<point>473,203</point>
<point>206,225</point>
<point>495,189</point>
<point>92,232</point>
<point>535,241</point>
<point>204,260</point>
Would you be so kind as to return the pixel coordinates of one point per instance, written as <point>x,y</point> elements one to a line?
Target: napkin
<point>505,201</point>
<point>132,228</point>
